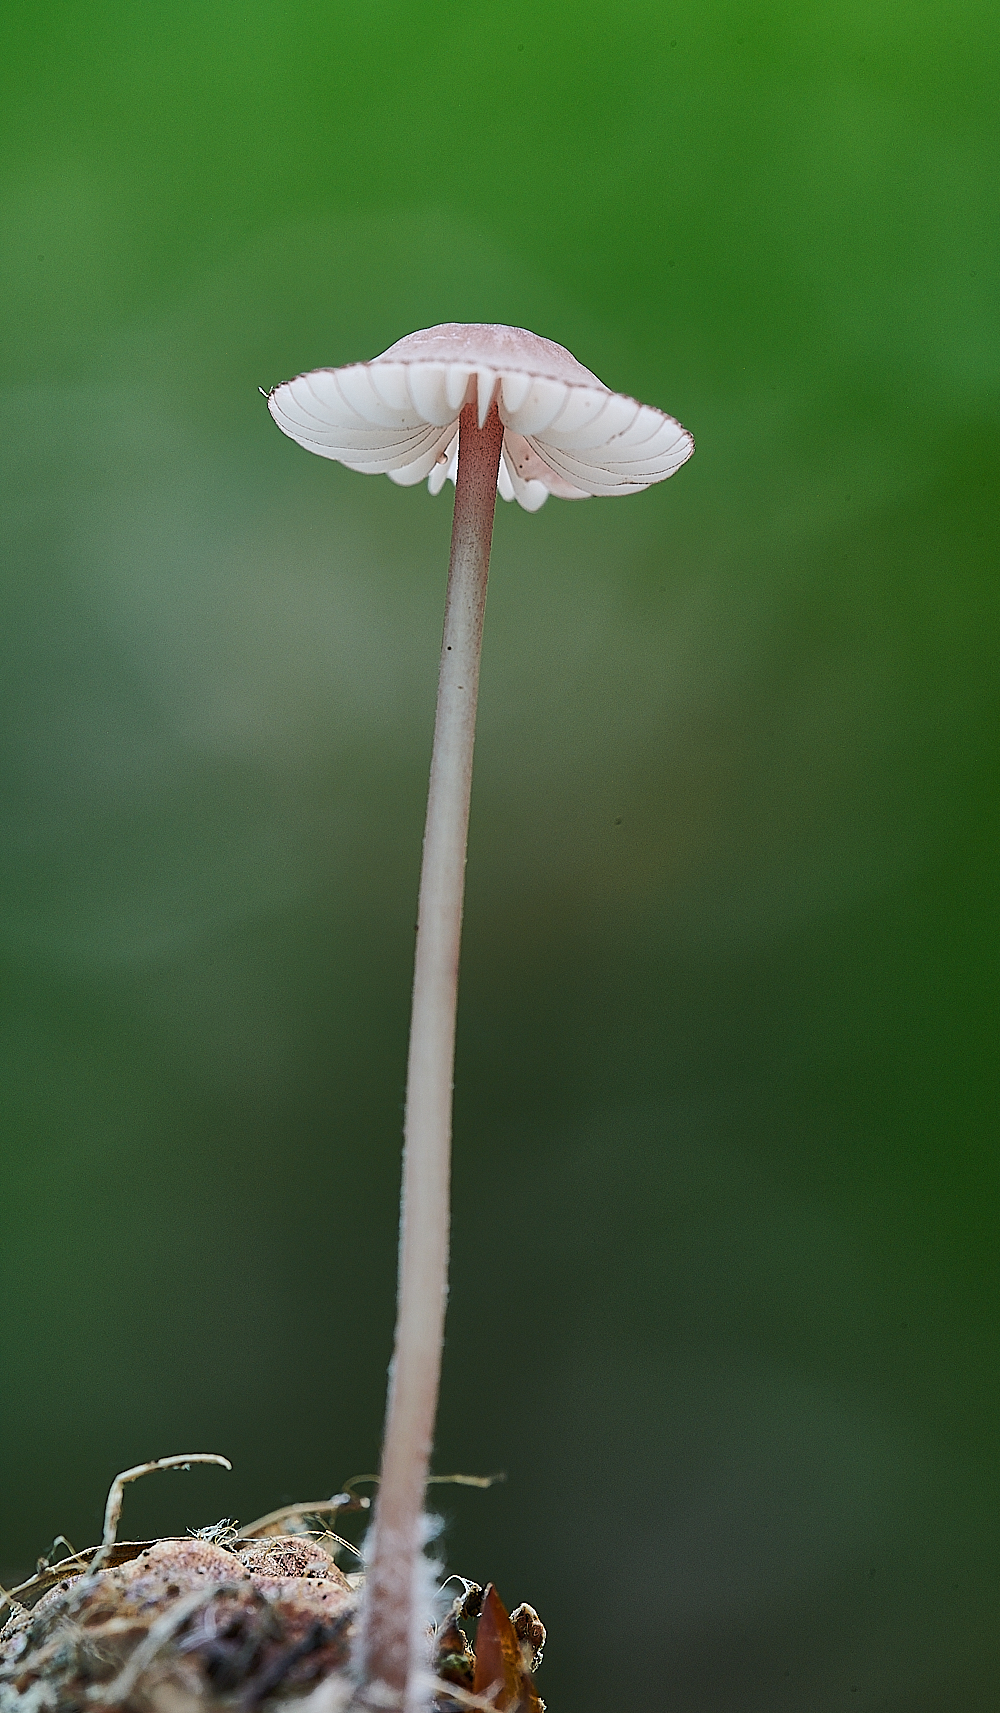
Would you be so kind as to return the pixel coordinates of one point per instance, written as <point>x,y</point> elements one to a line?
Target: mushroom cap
<point>565,432</point>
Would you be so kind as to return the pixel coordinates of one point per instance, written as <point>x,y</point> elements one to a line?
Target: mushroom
<point>493,409</point>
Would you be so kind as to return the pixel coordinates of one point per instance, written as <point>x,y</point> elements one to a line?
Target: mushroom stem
<point>394,1620</point>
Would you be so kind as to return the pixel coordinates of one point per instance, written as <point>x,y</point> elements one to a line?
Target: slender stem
<point>393,1617</point>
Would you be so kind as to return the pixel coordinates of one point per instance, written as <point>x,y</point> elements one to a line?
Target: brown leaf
<point>500,1669</point>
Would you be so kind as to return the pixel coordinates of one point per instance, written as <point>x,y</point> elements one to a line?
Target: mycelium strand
<point>394,1621</point>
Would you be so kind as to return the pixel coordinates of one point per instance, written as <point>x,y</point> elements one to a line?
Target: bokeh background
<point>725,1292</point>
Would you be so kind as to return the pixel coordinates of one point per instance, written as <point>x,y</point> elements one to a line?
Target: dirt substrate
<point>186,1624</point>
<point>242,1625</point>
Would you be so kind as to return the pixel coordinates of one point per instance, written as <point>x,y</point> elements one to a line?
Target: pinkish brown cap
<point>565,432</point>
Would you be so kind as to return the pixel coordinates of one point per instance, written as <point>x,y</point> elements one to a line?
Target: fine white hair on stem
<point>425,1608</point>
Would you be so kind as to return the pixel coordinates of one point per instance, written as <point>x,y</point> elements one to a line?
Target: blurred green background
<point>725,1290</point>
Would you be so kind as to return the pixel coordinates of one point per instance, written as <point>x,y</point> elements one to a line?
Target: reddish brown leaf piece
<point>500,1669</point>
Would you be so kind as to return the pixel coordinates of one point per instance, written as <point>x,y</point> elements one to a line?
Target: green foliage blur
<point>725,1287</point>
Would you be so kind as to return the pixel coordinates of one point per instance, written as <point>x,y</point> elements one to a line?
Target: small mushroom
<point>493,409</point>
<point>564,432</point>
